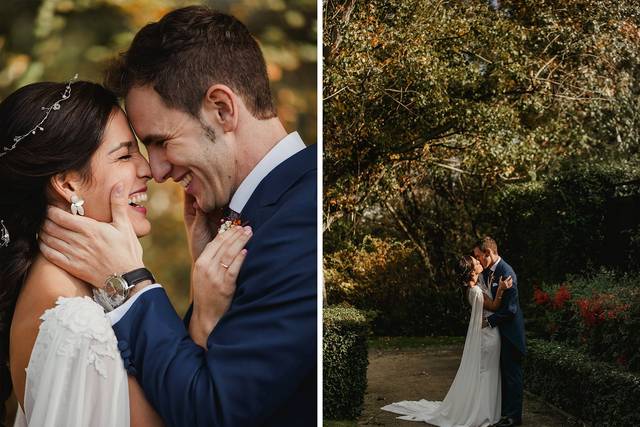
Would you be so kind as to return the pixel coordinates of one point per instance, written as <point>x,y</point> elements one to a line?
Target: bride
<point>67,145</point>
<point>474,397</point>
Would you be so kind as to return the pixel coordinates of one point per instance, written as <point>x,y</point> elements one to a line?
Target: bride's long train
<point>474,398</point>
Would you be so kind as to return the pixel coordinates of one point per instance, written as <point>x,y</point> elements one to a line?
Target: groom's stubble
<point>208,131</point>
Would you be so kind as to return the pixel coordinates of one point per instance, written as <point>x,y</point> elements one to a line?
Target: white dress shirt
<point>495,265</point>
<point>283,150</point>
<point>287,147</point>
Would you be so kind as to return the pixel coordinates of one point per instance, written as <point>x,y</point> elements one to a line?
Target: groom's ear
<point>221,105</point>
<point>65,184</point>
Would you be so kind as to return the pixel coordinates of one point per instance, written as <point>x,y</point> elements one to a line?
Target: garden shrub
<point>596,392</point>
<point>582,217</point>
<point>599,314</point>
<point>386,277</point>
<point>578,219</point>
<point>345,361</point>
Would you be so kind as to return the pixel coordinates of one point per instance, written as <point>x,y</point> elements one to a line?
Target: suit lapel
<point>270,189</point>
<point>495,277</point>
<point>492,276</point>
<point>276,183</point>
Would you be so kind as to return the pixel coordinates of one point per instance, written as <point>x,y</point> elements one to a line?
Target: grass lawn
<point>331,423</point>
<point>388,343</point>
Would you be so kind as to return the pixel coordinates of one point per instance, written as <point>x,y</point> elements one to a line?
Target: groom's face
<point>480,256</point>
<point>181,148</point>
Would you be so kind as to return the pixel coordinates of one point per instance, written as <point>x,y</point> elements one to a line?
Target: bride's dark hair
<point>465,269</point>
<point>70,137</point>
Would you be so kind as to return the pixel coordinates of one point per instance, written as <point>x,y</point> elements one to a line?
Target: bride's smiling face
<point>117,159</point>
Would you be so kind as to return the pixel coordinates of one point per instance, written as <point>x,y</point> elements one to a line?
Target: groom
<point>508,318</point>
<point>197,95</point>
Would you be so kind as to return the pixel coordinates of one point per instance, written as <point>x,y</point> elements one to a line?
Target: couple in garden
<point>488,387</point>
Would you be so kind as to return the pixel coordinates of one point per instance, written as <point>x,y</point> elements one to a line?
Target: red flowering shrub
<point>599,314</point>
<point>562,295</point>
<point>540,297</point>
<point>591,310</point>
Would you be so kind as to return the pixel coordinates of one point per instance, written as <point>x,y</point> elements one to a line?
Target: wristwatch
<point>118,286</point>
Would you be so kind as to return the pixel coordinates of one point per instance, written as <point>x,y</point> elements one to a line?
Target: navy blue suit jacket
<point>260,366</point>
<point>509,316</point>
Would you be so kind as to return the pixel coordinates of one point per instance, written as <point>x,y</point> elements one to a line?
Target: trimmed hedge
<point>345,361</point>
<point>595,392</point>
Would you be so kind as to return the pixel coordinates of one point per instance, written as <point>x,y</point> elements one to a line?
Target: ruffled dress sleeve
<point>75,377</point>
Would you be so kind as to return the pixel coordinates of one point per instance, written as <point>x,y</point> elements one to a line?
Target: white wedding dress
<point>75,376</point>
<point>474,398</point>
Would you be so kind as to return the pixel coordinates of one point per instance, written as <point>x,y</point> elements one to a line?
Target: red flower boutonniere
<point>227,223</point>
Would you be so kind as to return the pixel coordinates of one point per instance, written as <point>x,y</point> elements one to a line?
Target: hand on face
<point>91,250</point>
<point>213,280</point>
<point>201,226</point>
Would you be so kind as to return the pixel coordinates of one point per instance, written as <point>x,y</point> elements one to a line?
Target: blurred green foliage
<point>54,39</point>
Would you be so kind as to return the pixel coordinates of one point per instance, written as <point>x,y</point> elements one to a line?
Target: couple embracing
<point>488,388</point>
<point>87,335</point>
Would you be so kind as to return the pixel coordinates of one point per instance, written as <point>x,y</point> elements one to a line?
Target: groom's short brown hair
<point>488,243</point>
<point>186,52</point>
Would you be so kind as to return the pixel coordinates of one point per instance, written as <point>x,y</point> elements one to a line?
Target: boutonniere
<point>228,223</point>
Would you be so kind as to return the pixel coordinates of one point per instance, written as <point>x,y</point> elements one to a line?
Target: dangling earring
<point>76,205</point>
<point>4,236</point>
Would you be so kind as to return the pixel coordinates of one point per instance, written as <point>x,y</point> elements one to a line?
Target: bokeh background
<point>52,40</point>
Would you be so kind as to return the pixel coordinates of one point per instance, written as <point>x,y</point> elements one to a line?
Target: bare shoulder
<point>45,284</point>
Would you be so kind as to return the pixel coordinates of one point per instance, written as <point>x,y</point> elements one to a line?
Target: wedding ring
<point>224,265</point>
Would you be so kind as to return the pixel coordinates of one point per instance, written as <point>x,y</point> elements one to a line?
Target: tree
<point>432,109</point>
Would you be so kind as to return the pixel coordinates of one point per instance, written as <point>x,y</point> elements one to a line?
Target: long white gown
<point>474,398</point>
<point>75,376</point>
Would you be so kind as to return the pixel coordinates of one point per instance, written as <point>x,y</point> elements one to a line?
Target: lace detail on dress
<point>88,326</point>
<point>75,377</point>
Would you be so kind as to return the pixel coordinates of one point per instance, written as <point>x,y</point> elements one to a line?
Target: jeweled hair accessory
<point>4,235</point>
<point>47,110</point>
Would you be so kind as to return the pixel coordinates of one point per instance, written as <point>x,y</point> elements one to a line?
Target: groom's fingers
<point>119,206</point>
<point>51,228</point>
<point>55,243</point>
<point>54,256</point>
<point>67,220</point>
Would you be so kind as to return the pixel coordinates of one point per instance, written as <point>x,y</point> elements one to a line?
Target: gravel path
<point>427,373</point>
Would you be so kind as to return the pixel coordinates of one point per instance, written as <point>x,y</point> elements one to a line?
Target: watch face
<point>115,286</point>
